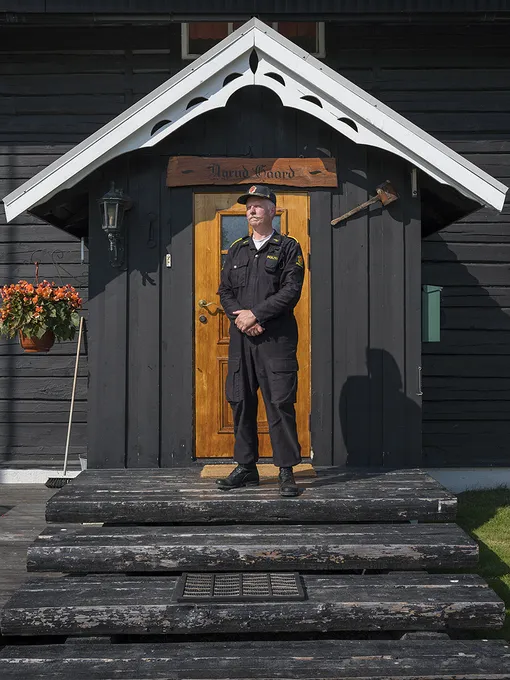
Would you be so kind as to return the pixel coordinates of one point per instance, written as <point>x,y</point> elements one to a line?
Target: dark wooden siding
<point>453,82</point>
<point>57,87</point>
<point>142,365</point>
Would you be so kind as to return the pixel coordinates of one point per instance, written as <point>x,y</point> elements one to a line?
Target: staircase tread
<point>77,548</point>
<point>108,604</point>
<point>68,534</point>
<point>160,495</point>
<point>251,660</point>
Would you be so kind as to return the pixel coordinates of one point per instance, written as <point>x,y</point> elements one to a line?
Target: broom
<point>58,482</point>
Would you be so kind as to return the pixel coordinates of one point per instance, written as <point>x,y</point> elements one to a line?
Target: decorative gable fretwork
<point>257,55</point>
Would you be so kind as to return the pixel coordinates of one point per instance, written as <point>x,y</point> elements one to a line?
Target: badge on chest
<point>272,260</point>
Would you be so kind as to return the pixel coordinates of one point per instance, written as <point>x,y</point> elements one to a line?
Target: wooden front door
<point>219,221</point>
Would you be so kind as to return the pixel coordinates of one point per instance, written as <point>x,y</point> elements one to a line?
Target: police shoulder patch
<point>299,261</point>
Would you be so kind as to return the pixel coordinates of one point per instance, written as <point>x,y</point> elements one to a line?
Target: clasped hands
<point>246,322</point>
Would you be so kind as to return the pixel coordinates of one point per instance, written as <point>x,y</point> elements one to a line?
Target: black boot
<point>288,486</point>
<point>243,475</point>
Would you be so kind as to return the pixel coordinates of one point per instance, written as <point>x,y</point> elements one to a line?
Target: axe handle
<point>374,199</point>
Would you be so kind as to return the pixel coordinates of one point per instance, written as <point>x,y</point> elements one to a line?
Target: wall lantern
<point>113,205</point>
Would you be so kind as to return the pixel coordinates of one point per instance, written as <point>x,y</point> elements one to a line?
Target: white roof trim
<point>303,75</point>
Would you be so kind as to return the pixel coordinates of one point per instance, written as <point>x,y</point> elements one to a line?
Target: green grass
<point>486,516</point>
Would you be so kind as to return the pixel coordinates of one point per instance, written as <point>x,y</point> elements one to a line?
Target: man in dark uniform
<point>261,283</point>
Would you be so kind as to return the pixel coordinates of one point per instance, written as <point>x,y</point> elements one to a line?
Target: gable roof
<point>257,55</point>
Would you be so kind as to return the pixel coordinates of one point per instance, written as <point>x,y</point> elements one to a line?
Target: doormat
<point>266,470</point>
<point>238,587</point>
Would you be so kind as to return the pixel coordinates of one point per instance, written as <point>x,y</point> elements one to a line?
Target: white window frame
<point>320,43</point>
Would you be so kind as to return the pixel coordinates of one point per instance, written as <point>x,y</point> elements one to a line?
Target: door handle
<point>203,304</point>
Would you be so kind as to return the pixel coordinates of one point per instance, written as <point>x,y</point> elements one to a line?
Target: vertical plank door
<point>219,221</point>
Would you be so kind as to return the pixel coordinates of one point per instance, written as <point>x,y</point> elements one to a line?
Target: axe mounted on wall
<point>386,194</point>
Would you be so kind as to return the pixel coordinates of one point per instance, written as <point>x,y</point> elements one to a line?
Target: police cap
<point>257,190</point>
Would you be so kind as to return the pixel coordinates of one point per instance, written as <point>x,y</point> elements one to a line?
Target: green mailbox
<point>431,313</point>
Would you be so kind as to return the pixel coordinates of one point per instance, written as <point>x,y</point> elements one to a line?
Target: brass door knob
<point>204,303</point>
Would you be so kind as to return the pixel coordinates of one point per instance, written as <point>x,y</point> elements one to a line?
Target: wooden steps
<point>180,496</point>
<point>107,605</point>
<point>113,549</point>
<point>154,524</point>
<point>302,660</point>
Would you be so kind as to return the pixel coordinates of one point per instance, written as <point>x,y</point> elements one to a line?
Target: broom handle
<point>72,395</point>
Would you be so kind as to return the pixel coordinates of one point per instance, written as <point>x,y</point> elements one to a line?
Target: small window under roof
<point>200,36</point>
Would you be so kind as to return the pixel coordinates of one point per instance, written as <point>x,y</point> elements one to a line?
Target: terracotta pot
<point>34,344</point>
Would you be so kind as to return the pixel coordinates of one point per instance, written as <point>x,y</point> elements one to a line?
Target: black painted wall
<point>365,299</point>
<point>59,84</point>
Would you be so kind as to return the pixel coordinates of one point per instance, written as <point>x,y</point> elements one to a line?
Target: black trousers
<point>268,363</point>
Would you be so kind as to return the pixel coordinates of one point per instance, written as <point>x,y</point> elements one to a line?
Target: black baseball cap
<point>257,190</point>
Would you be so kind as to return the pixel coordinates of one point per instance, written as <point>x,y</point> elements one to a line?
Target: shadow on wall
<point>367,419</point>
<point>466,376</point>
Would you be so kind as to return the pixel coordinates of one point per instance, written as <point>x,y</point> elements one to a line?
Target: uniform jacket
<point>266,281</point>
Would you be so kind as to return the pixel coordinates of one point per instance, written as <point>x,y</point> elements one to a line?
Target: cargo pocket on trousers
<point>283,380</point>
<point>233,381</point>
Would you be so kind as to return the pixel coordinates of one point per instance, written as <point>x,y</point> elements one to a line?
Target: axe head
<point>386,193</point>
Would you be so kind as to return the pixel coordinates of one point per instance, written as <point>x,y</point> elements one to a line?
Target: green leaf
<point>40,331</point>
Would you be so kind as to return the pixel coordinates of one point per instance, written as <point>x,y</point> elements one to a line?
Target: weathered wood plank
<point>471,410</point>
<point>52,434</point>
<point>48,387</point>
<point>351,242</point>
<point>322,331</point>
<point>466,232</point>
<point>45,457</point>
<point>75,274</point>
<point>479,296</point>
<point>39,366</point>
<point>74,549</point>
<point>143,304</point>
<point>475,366</point>
<point>256,660</point>
<point>18,528</point>
<point>466,274</point>
<point>48,254</point>
<point>466,389</point>
<point>459,342</point>
<point>355,478</point>
<point>32,233</point>
<point>134,605</point>
<point>436,251</point>
<point>158,495</point>
<point>176,327</point>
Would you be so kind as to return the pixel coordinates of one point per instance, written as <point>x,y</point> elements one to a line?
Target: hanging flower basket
<point>39,314</point>
<point>35,344</point>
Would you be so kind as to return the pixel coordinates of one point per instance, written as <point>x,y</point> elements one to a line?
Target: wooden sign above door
<point>295,172</point>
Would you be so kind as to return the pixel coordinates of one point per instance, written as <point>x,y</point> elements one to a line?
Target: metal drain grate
<point>238,587</point>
